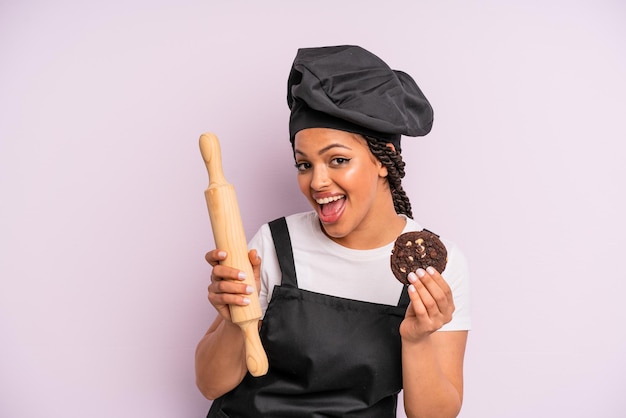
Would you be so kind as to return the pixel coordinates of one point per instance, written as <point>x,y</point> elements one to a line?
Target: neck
<point>373,233</point>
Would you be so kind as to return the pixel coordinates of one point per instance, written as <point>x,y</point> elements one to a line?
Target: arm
<point>220,354</point>
<point>432,362</point>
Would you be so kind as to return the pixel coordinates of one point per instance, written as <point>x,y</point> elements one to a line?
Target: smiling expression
<point>345,184</point>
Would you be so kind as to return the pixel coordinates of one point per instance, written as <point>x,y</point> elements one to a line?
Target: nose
<point>320,178</point>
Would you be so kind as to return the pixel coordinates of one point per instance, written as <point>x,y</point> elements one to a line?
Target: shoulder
<point>457,276</point>
<point>297,223</point>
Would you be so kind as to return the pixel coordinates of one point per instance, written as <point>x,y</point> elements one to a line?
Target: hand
<point>227,287</point>
<point>431,305</point>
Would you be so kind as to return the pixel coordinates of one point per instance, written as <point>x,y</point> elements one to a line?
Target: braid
<point>392,160</point>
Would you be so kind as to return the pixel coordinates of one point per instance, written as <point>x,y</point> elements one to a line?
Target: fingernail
<point>241,275</point>
<point>412,288</point>
<point>430,270</point>
<point>246,301</point>
<point>221,254</point>
<point>412,277</point>
<point>249,289</point>
<point>421,272</point>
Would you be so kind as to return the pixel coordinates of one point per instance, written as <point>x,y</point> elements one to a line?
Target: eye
<point>339,161</point>
<point>303,166</point>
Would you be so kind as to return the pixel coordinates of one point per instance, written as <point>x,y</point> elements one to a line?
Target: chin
<point>334,231</point>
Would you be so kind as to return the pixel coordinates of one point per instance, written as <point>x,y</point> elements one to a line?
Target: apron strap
<point>282,243</point>
<point>404,298</point>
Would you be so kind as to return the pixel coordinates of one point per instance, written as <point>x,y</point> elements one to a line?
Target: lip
<point>322,199</point>
<point>325,195</point>
<point>329,218</point>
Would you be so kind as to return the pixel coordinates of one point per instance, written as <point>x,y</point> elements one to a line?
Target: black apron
<point>328,356</point>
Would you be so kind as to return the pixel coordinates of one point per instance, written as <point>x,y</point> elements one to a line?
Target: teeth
<point>328,199</point>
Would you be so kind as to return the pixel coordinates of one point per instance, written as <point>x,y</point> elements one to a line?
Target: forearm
<point>220,359</point>
<point>428,392</point>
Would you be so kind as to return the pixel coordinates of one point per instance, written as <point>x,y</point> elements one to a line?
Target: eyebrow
<point>326,148</point>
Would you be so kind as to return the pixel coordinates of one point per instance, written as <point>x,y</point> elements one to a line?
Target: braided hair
<point>392,160</point>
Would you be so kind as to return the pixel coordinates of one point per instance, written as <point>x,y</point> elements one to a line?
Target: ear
<point>382,170</point>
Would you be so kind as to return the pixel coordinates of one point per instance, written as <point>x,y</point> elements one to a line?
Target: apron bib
<point>328,356</point>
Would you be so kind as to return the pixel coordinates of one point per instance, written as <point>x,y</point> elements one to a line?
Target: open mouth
<point>331,208</point>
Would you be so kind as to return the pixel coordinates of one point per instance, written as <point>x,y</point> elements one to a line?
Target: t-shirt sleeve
<point>270,270</point>
<point>456,275</point>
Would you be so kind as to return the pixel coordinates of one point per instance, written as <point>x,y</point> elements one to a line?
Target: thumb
<point>255,260</point>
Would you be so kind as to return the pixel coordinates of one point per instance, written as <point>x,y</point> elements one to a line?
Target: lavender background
<point>103,224</point>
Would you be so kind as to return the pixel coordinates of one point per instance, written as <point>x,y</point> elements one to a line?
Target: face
<point>343,181</point>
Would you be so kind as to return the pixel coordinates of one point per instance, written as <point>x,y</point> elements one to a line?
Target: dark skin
<point>338,165</point>
<point>220,355</point>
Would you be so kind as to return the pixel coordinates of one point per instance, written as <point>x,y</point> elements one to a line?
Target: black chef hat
<point>351,89</point>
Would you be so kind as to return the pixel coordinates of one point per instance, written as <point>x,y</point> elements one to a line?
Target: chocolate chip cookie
<point>417,249</point>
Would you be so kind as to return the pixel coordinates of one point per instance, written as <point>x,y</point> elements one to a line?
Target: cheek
<point>360,178</point>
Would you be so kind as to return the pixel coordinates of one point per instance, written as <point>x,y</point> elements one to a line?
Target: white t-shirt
<point>323,266</point>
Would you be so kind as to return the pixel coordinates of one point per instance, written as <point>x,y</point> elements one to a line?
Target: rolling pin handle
<point>256,359</point>
<point>212,156</point>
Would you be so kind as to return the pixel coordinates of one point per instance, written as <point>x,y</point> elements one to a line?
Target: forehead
<point>316,139</point>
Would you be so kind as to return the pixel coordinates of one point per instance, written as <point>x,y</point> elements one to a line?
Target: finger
<point>255,260</point>
<point>230,286</point>
<point>447,299</point>
<point>416,305</point>
<point>418,322</point>
<point>438,289</point>
<point>439,302</point>
<point>221,272</point>
<point>214,257</point>
<point>226,299</point>
<point>227,293</point>
<point>441,282</point>
<point>425,296</point>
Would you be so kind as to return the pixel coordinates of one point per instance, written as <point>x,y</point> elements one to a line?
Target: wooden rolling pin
<point>229,235</point>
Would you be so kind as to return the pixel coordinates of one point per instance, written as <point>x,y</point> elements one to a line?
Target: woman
<point>343,337</point>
